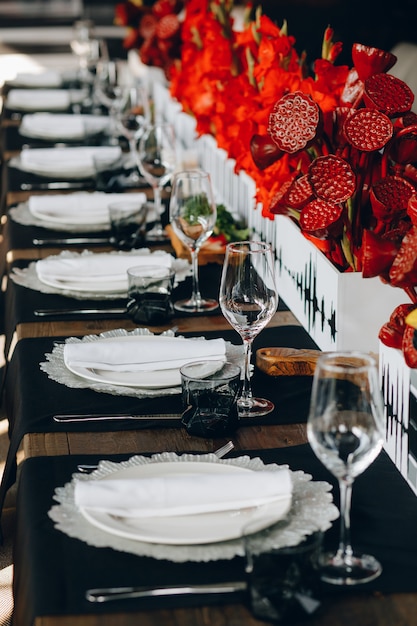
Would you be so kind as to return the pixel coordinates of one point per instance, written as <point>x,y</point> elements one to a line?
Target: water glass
<point>149,291</point>
<point>209,393</point>
<point>128,223</point>
<point>283,582</point>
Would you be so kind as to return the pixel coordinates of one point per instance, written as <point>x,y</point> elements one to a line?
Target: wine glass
<point>344,430</point>
<point>135,115</point>
<point>112,92</point>
<point>193,215</point>
<point>248,299</point>
<point>156,162</point>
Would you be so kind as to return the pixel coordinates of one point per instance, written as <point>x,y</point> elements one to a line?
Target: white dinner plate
<point>156,379</point>
<point>202,528</point>
<point>116,287</point>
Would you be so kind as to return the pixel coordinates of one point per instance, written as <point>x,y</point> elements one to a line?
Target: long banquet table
<point>52,570</point>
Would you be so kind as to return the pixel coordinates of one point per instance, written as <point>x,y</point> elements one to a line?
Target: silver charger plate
<point>28,277</point>
<point>56,369</point>
<point>312,509</point>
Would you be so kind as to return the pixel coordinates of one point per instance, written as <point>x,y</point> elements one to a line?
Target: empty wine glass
<point>248,299</point>
<point>193,216</point>
<point>345,432</point>
<point>135,115</point>
<point>156,161</point>
<point>112,91</point>
<point>84,46</point>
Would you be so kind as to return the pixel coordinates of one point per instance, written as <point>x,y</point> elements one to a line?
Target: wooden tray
<point>210,252</point>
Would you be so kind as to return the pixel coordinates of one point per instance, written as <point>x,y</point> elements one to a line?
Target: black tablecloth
<point>32,398</point>
<point>52,570</point>
<point>20,236</point>
<point>21,302</point>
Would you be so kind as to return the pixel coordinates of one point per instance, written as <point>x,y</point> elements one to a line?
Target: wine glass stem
<point>345,551</point>
<point>245,399</point>
<point>196,296</point>
<point>157,206</point>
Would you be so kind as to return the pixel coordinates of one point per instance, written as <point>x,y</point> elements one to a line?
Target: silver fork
<point>220,453</point>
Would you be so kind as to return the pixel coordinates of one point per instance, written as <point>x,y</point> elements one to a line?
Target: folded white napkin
<point>68,161</point>
<point>47,78</point>
<point>77,208</point>
<point>183,494</point>
<point>90,269</point>
<point>42,99</point>
<point>62,126</point>
<point>142,353</point>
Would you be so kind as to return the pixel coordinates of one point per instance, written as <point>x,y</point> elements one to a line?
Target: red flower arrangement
<point>154,30</point>
<point>335,149</point>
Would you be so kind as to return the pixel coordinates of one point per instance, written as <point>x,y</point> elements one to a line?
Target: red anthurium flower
<point>403,272</point>
<point>369,61</point>
<point>378,254</point>
<point>403,149</point>
<point>391,333</point>
<point>408,347</point>
<point>264,151</point>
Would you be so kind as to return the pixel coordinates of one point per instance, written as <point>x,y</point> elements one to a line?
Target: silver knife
<point>97,417</point>
<point>71,241</point>
<point>56,185</point>
<point>125,593</point>
<point>55,312</point>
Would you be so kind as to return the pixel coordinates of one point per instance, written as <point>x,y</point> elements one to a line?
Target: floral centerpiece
<point>332,147</point>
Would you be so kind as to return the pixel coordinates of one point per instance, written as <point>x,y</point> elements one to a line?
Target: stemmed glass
<point>248,299</point>
<point>344,430</point>
<point>156,162</point>
<point>112,93</point>
<point>135,116</point>
<point>193,215</point>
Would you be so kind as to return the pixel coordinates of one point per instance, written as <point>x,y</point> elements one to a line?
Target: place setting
<point>190,507</point>
<point>67,163</point>
<point>77,212</point>
<point>55,127</point>
<point>92,275</point>
<point>22,100</point>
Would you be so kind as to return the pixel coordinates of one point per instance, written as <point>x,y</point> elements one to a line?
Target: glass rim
<point>242,246</point>
<point>364,360</point>
<point>213,376</point>
<point>165,272</point>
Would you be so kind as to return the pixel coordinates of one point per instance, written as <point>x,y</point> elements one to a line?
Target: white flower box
<point>399,387</point>
<point>340,311</point>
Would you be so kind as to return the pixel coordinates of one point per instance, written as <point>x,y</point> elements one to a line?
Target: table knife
<point>55,185</point>
<point>125,593</point>
<point>57,312</point>
<point>71,241</point>
<point>99,417</point>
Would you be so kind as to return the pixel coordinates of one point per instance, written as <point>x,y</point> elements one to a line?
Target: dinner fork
<point>220,453</point>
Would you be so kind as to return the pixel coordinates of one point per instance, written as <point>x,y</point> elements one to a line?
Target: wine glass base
<point>190,306</point>
<point>255,408</point>
<point>358,570</point>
